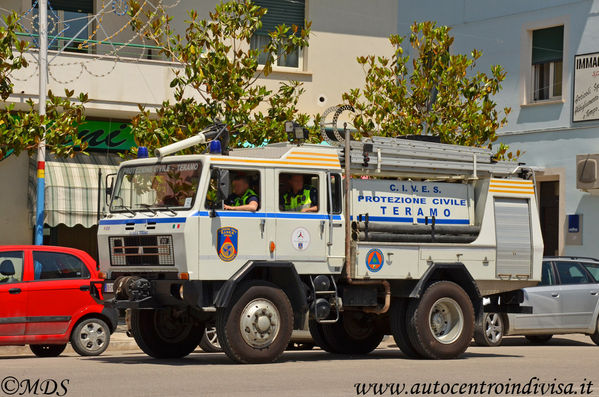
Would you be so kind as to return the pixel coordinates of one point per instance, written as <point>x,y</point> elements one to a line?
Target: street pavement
<point>564,364</point>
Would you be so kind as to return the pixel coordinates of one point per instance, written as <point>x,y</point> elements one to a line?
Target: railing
<point>110,48</point>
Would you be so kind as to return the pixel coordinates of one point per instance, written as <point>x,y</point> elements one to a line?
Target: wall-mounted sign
<point>107,135</point>
<point>585,104</point>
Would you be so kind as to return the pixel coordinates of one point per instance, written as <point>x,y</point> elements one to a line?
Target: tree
<point>219,66</point>
<point>23,130</point>
<point>439,93</point>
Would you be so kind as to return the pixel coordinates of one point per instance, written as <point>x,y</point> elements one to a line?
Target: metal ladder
<point>324,293</point>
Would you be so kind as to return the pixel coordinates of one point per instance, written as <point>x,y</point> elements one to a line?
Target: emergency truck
<point>406,239</point>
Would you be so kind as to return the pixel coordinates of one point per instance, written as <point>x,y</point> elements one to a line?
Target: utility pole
<point>41,151</point>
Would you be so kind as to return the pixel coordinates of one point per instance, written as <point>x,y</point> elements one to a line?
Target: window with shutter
<point>547,63</point>
<point>279,12</point>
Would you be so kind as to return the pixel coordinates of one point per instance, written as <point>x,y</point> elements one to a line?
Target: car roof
<point>570,258</point>
<point>52,248</point>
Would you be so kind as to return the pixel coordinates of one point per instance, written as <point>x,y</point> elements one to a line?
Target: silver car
<point>566,301</point>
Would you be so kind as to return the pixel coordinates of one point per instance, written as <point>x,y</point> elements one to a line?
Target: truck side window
<point>243,193</point>
<point>336,187</point>
<point>298,192</point>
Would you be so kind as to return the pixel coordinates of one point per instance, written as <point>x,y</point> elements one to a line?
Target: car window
<point>11,267</point>
<point>593,268</point>
<point>547,276</point>
<point>57,265</point>
<point>572,273</point>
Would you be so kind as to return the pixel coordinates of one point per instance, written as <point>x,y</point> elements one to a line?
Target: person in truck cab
<point>300,197</point>
<point>243,198</point>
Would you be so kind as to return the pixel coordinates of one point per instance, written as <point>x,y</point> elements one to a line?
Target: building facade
<point>120,71</point>
<point>549,50</point>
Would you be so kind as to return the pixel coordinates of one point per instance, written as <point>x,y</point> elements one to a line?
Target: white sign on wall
<point>585,105</point>
<point>413,202</point>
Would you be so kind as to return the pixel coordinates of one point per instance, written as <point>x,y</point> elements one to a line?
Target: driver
<point>243,198</point>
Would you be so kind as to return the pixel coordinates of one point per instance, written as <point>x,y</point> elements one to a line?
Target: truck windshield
<point>160,186</point>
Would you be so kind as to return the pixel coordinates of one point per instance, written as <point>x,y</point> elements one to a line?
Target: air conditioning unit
<point>587,173</point>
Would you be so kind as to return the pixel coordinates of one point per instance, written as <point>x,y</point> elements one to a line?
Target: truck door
<point>230,237</point>
<point>302,221</point>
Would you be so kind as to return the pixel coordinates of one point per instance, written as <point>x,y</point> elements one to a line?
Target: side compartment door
<point>512,230</point>
<point>302,220</point>
<point>13,299</point>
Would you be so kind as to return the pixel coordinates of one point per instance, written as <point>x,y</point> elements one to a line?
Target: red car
<point>45,301</point>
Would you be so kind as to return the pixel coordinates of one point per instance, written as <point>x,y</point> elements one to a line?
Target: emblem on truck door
<point>374,260</point>
<point>227,238</point>
<point>300,239</point>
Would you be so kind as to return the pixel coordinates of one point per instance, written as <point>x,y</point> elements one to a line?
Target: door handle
<point>14,291</point>
<point>555,294</point>
<point>594,293</point>
<point>84,288</point>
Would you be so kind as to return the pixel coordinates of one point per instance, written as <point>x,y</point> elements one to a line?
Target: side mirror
<point>221,178</point>
<point>109,183</point>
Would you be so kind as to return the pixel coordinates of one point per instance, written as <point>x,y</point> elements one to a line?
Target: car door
<point>545,300</point>
<point>12,296</point>
<point>60,288</point>
<point>578,295</point>
<point>593,269</point>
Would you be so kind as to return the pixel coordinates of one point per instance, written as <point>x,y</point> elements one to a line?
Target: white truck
<point>383,236</point>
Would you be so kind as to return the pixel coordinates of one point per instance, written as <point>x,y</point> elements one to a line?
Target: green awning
<point>548,45</point>
<point>72,188</point>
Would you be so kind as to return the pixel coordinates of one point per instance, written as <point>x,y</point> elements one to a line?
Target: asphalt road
<point>564,360</point>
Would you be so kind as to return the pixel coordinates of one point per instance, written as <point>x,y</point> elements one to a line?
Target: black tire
<point>442,302</point>
<point>160,335</point>
<point>90,337</point>
<point>48,350</point>
<point>354,333</point>
<point>399,327</point>
<point>261,301</point>
<point>538,339</point>
<point>595,335</point>
<point>319,338</point>
<point>209,342</point>
<point>489,331</point>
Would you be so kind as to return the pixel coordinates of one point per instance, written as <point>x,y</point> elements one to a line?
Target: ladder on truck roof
<point>392,156</point>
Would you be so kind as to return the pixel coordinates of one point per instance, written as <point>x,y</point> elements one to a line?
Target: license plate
<point>109,287</point>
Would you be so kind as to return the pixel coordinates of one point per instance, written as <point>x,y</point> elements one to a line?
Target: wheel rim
<point>446,320</point>
<point>493,327</point>
<point>93,336</point>
<point>211,337</point>
<point>260,323</point>
<point>171,329</point>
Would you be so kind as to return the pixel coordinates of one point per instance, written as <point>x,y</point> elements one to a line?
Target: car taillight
<point>102,275</point>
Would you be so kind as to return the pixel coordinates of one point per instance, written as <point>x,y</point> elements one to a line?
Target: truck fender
<point>282,274</point>
<point>455,272</point>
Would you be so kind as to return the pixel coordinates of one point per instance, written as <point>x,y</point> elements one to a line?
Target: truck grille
<point>141,250</point>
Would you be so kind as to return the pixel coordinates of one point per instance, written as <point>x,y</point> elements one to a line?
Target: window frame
<point>279,193</point>
<point>60,26</point>
<point>23,264</point>
<point>589,277</point>
<point>553,271</point>
<point>260,193</point>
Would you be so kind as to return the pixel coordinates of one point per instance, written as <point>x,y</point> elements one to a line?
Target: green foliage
<point>23,130</point>
<point>218,78</point>
<point>437,92</point>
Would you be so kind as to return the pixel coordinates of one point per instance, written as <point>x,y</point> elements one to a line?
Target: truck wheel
<point>47,350</point>
<point>161,334</point>
<point>538,339</point>
<point>90,337</point>
<point>354,333</point>
<point>319,337</point>
<point>441,322</point>
<point>209,342</point>
<point>257,327</point>
<point>489,331</point>
<point>399,327</point>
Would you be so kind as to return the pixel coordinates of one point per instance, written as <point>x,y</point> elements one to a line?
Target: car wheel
<point>209,342</point>
<point>595,335</point>
<point>441,322</point>
<point>90,337</point>
<point>257,327</point>
<point>47,350</point>
<point>489,331</point>
<point>538,339</point>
